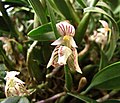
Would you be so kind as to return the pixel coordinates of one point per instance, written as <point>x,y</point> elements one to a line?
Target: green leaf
<point>82,3</point>
<point>83,98</point>
<point>81,29</point>
<point>115,33</point>
<point>52,18</point>
<point>103,4</point>
<point>68,78</point>
<point>63,9</point>
<point>42,33</point>
<point>23,100</point>
<point>103,60</point>
<point>38,8</point>
<point>108,78</point>
<point>11,100</point>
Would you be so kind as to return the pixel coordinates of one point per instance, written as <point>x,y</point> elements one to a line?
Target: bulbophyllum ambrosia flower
<point>65,51</point>
<point>105,28</point>
<point>101,35</point>
<point>99,38</point>
<point>14,86</point>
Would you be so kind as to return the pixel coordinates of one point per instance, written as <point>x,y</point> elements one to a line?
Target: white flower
<point>14,86</point>
<point>105,28</point>
<point>98,38</point>
<point>65,51</point>
<point>102,35</point>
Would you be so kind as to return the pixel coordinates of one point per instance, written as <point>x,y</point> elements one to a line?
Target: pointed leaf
<point>42,33</point>
<point>11,100</point>
<point>63,9</point>
<point>68,78</point>
<point>23,100</point>
<point>39,10</point>
<point>82,3</point>
<point>83,98</point>
<point>103,4</point>
<point>108,78</point>
<point>52,18</point>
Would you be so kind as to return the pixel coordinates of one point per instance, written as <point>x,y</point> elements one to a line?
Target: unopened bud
<point>82,83</point>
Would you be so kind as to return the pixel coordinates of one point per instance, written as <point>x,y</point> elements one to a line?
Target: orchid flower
<point>102,35</point>
<point>98,38</point>
<point>14,86</point>
<point>105,28</point>
<point>65,52</point>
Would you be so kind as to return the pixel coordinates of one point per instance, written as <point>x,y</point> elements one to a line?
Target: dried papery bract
<point>65,51</point>
<point>14,86</point>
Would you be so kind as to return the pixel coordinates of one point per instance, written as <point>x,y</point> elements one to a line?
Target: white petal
<point>58,41</point>
<point>100,38</point>
<point>72,42</point>
<point>102,30</point>
<point>11,74</point>
<point>65,28</point>
<point>18,80</point>
<point>73,61</point>
<point>76,61</point>
<point>63,54</point>
<point>104,23</point>
<point>51,61</point>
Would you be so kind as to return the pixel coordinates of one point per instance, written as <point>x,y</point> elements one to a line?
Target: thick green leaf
<point>103,4</point>
<point>82,27</point>
<point>115,33</point>
<point>108,78</point>
<point>52,18</point>
<point>83,98</point>
<point>68,78</point>
<point>42,33</point>
<point>82,3</point>
<point>23,100</point>
<point>11,100</point>
<point>38,8</point>
<point>62,6</point>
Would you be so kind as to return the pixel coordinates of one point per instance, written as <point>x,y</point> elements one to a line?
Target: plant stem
<point>52,98</point>
<point>107,96</point>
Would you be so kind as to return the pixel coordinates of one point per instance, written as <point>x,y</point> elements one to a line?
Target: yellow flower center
<point>66,39</point>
